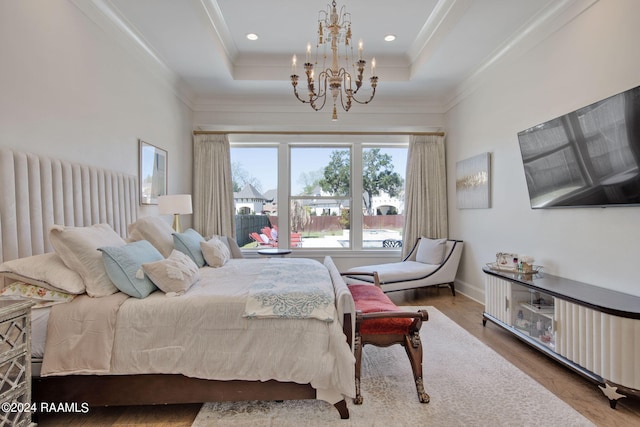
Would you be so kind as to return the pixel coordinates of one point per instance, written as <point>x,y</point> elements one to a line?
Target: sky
<point>261,163</point>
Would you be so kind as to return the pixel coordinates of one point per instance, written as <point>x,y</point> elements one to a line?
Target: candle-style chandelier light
<point>334,30</point>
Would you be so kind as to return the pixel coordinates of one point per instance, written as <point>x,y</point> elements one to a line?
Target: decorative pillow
<point>216,252</point>
<point>431,251</point>
<point>155,230</point>
<point>45,270</point>
<point>42,297</point>
<point>124,267</point>
<point>78,248</point>
<point>189,243</point>
<point>174,275</point>
<point>234,249</point>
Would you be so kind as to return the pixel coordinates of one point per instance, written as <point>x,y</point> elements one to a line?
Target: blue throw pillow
<point>124,267</point>
<point>189,244</point>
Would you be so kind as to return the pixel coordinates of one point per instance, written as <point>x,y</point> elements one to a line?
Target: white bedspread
<point>203,334</point>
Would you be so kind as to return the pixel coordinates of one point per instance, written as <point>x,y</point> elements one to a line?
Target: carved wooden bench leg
<point>413,347</point>
<point>357,349</point>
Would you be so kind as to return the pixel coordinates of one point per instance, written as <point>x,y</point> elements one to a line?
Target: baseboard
<point>474,292</point>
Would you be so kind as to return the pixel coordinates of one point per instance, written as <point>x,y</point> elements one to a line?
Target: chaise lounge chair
<point>431,262</point>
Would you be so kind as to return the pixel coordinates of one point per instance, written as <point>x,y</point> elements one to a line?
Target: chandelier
<point>334,32</point>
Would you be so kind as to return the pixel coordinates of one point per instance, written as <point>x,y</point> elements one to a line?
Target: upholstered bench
<point>381,323</point>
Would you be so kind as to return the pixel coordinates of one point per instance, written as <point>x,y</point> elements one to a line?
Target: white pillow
<point>174,275</point>
<point>154,229</point>
<point>216,252</point>
<point>78,248</point>
<point>45,270</point>
<point>431,251</point>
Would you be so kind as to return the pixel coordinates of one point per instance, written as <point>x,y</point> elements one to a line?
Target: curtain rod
<point>256,132</point>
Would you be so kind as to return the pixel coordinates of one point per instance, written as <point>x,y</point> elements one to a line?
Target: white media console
<point>592,330</point>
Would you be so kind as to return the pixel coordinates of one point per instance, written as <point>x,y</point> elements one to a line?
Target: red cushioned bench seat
<point>381,323</point>
<point>371,299</point>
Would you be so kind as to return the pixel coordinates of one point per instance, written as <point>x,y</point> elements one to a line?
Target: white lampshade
<point>176,205</point>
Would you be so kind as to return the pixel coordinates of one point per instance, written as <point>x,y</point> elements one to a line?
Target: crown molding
<point>222,40</point>
<point>441,21</point>
<point>555,16</point>
<point>106,15</point>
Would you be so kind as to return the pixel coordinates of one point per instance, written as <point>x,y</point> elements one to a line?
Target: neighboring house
<point>386,205</point>
<point>270,206</point>
<point>248,201</point>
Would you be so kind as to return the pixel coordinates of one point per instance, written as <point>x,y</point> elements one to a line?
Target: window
<point>254,172</point>
<point>383,196</point>
<point>321,196</point>
<point>333,195</point>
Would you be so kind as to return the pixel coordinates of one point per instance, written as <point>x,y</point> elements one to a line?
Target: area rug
<point>469,384</point>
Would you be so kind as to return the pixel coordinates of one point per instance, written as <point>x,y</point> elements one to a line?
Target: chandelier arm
<point>321,93</point>
<point>373,93</point>
<point>294,83</point>
<point>347,106</point>
<point>323,96</point>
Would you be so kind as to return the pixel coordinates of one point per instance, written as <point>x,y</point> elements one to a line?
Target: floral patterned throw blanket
<point>292,288</point>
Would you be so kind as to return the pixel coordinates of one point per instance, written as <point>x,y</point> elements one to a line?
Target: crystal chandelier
<point>334,32</point>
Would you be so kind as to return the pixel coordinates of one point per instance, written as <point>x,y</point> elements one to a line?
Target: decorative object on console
<point>473,182</point>
<point>153,173</point>
<point>526,263</point>
<point>176,205</point>
<point>514,263</point>
<point>334,29</point>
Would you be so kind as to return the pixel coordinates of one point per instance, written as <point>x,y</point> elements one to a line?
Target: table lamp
<point>176,205</point>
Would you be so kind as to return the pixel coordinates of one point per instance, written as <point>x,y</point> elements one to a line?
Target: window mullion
<point>356,196</point>
<point>283,194</point>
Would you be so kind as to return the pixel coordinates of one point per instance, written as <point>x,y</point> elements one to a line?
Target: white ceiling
<point>440,45</point>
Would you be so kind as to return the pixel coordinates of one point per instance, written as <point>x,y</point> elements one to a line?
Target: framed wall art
<point>473,182</point>
<point>153,173</point>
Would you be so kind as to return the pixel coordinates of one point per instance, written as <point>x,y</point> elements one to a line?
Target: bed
<point>208,343</point>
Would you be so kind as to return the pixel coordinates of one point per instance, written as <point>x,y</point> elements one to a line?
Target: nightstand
<point>15,362</point>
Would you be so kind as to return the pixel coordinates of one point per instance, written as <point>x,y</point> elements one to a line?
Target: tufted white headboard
<point>37,192</point>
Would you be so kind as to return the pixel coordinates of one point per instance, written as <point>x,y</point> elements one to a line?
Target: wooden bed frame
<point>37,192</point>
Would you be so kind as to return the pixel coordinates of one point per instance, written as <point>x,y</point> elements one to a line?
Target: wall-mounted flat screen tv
<point>589,157</point>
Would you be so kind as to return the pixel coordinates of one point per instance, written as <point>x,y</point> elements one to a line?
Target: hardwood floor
<point>576,391</point>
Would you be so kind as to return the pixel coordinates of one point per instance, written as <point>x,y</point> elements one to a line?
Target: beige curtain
<point>425,202</point>
<point>213,211</point>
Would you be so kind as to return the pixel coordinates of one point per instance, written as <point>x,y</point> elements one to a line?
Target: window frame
<point>356,144</point>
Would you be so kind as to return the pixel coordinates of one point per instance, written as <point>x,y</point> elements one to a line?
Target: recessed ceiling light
<point>252,36</point>
<point>389,38</point>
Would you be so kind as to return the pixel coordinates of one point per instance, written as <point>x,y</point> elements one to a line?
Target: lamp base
<point>176,223</point>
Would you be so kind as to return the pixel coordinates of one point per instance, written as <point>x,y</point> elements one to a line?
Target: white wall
<point>591,58</point>
<point>69,90</point>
